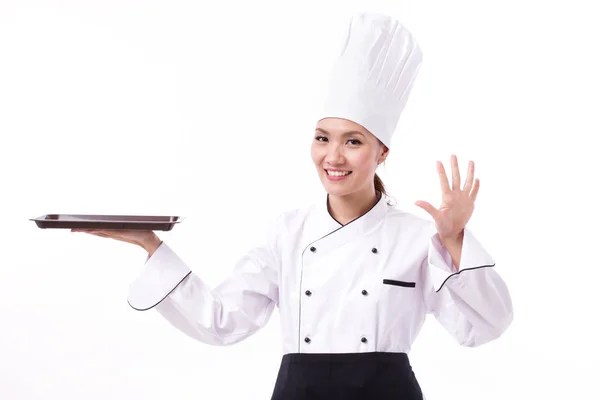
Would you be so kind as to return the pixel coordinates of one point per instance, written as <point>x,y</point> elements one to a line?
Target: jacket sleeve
<point>232,311</point>
<point>471,302</point>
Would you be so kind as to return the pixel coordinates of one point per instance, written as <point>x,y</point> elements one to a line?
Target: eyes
<point>354,142</point>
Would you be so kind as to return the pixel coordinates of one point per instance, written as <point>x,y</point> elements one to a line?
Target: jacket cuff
<point>162,273</point>
<point>441,267</point>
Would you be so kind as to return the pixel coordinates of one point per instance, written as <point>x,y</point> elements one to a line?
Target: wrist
<point>454,239</point>
<point>453,243</point>
<point>151,244</point>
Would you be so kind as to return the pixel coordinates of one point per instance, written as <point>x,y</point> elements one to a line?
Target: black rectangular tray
<point>90,221</point>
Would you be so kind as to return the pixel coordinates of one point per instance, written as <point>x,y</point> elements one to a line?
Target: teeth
<point>337,173</point>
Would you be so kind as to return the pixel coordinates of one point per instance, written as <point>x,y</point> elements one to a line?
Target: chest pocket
<point>399,283</point>
<point>398,297</point>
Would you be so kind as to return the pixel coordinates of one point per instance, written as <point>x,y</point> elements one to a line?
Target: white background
<point>203,109</point>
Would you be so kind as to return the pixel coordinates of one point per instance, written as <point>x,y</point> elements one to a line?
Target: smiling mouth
<point>338,173</point>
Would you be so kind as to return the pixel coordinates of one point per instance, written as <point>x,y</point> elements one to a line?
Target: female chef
<point>353,277</point>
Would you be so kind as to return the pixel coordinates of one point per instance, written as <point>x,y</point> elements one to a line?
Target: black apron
<point>347,376</point>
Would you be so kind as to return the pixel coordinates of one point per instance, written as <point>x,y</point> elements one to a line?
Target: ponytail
<point>379,186</point>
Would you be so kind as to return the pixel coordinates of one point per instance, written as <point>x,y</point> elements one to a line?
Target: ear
<point>383,153</point>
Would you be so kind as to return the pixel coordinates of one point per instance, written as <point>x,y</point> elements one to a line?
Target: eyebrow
<point>347,133</point>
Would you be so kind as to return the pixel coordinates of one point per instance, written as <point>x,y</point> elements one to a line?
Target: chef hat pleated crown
<point>373,75</point>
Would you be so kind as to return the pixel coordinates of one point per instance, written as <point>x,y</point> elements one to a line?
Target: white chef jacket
<point>361,287</point>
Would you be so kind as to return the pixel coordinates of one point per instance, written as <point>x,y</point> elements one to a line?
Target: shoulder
<point>295,217</point>
<point>404,220</point>
<point>286,219</point>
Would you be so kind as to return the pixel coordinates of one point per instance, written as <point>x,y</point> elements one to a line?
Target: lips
<point>338,173</point>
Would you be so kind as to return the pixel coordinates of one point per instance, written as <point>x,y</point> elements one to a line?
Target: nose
<point>335,155</point>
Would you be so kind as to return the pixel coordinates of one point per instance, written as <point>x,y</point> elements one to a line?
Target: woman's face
<point>346,156</point>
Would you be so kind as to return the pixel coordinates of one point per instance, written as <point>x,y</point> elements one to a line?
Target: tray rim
<point>177,218</point>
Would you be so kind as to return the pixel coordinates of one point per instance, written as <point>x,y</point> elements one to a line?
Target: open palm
<point>457,204</point>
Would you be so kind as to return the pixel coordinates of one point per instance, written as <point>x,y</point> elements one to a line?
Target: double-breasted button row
<point>362,339</point>
<point>313,249</point>
<point>309,293</point>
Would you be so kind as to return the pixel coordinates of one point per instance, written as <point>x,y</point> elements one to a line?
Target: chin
<point>337,190</point>
<point>341,190</point>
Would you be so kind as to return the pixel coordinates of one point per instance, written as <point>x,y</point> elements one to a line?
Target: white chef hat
<point>373,75</point>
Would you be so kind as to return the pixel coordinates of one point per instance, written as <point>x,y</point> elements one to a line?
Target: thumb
<point>427,207</point>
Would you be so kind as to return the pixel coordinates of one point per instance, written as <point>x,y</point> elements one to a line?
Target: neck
<point>351,206</point>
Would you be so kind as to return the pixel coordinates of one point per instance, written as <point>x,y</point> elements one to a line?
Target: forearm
<point>454,247</point>
<point>151,244</point>
<point>234,310</point>
<point>475,304</point>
